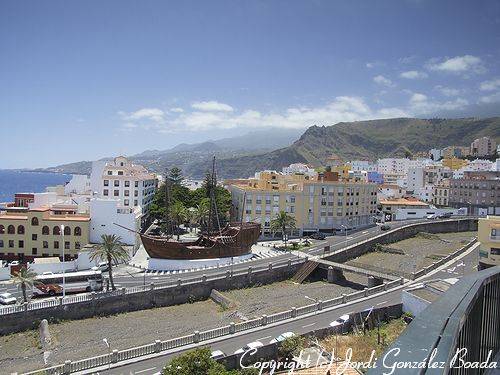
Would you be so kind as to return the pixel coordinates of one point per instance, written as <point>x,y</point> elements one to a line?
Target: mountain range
<point>272,149</point>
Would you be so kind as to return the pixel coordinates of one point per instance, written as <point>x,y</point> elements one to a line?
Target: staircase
<point>304,271</point>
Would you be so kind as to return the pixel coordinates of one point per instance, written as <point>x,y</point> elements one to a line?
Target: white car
<point>340,321</point>
<point>7,299</point>
<point>432,216</point>
<point>249,346</point>
<point>282,337</point>
<point>217,354</point>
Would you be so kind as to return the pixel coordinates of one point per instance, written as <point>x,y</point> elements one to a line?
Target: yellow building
<point>29,233</point>
<point>454,163</point>
<point>488,234</point>
<point>324,203</point>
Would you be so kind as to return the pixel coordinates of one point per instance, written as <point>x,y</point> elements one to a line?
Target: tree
<point>201,213</point>
<point>175,176</point>
<point>178,213</point>
<point>25,277</point>
<point>281,222</point>
<point>199,362</point>
<point>111,250</point>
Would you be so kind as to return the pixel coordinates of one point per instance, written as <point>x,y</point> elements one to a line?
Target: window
<point>11,229</point>
<point>136,184</point>
<point>106,182</point>
<point>34,221</point>
<point>78,231</point>
<point>67,231</point>
<point>135,202</point>
<point>2,229</point>
<point>56,231</point>
<point>495,251</point>
<point>116,193</point>
<point>45,244</point>
<point>77,245</point>
<point>126,202</point>
<point>45,230</point>
<point>20,229</point>
<point>116,182</point>
<point>56,244</point>
<point>127,183</point>
<point>120,173</point>
<point>34,251</point>
<point>110,173</point>
<point>66,245</point>
<point>1,243</point>
<point>127,193</point>
<point>21,244</point>
<point>105,192</point>
<point>136,193</point>
<point>11,243</point>
<point>34,237</point>
<point>494,233</point>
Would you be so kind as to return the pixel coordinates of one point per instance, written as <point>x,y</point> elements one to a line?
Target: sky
<point>82,80</point>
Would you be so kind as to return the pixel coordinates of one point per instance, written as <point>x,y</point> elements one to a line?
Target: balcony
<point>463,325</point>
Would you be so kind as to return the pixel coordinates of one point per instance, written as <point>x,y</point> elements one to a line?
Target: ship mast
<point>212,184</point>
<point>167,204</point>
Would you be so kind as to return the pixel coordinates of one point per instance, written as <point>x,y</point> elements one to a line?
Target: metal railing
<point>459,330</point>
<point>159,346</point>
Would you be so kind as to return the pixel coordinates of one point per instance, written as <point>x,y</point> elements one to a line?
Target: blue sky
<point>80,80</point>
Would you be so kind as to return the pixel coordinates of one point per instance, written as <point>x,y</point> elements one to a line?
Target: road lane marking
<point>381,303</point>
<point>148,369</point>
<point>308,325</point>
<point>263,338</point>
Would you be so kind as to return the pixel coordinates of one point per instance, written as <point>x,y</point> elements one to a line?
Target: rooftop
<point>403,202</point>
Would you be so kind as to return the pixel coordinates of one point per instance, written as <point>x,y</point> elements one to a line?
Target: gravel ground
<point>83,338</point>
<point>419,251</point>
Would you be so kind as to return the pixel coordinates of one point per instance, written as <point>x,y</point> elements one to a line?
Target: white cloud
<point>490,85</point>
<point>370,65</point>
<point>176,110</point>
<point>152,114</point>
<point>448,91</point>
<point>460,64</point>
<point>494,98</point>
<point>381,80</point>
<point>212,106</point>
<point>419,104</point>
<point>413,74</point>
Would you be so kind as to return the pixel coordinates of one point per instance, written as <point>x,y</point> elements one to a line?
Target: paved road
<point>467,264</point>
<point>336,242</point>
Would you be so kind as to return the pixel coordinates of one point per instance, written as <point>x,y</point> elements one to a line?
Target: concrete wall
<point>413,304</point>
<point>465,225</point>
<point>142,300</point>
<point>4,273</point>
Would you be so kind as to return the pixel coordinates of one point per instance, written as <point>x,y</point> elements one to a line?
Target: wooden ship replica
<point>231,240</point>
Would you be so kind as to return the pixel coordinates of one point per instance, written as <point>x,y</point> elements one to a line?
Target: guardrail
<point>457,334</point>
<point>159,346</point>
<point>143,288</point>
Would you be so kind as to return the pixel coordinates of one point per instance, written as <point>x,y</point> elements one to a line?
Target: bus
<point>50,284</point>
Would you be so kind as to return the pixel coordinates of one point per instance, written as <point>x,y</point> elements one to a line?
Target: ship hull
<point>234,240</point>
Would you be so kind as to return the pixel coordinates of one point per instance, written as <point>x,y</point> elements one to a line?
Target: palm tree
<point>25,277</point>
<point>201,213</point>
<point>110,250</point>
<point>178,213</point>
<point>191,217</point>
<point>281,223</point>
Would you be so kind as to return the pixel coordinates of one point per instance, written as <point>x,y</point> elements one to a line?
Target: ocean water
<point>12,182</point>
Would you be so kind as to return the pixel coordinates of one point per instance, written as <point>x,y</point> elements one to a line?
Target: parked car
<point>432,216</point>
<point>7,299</point>
<point>340,321</point>
<point>217,354</point>
<point>14,263</point>
<point>282,337</point>
<point>446,215</point>
<point>249,346</point>
<point>318,236</point>
<point>385,227</point>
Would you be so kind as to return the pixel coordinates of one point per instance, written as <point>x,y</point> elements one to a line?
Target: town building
<point>488,234</point>
<point>42,231</point>
<point>484,146</point>
<point>299,168</point>
<point>441,194</point>
<point>454,163</point>
<point>323,203</point>
<point>389,207</point>
<point>435,154</point>
<point>455,152</point>
<point>479,192</point>
<point>362,165</point>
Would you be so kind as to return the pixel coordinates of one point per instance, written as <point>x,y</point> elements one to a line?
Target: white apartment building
<point>299,168</point>
<point>436,153</point>
<point>119,179</point>
<point>397,166</point>
<point>483,146</point>
<point>415,179</point>
<point>362,165</point>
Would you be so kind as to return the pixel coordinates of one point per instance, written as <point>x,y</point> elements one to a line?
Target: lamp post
<point>105,341</point>
<point>62,264</point>
<point>345,230</point>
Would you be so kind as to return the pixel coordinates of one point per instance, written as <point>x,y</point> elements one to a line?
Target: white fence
<point>158,346</point>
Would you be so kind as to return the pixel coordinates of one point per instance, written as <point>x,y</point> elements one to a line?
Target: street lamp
<point>62,264</point>
<point>345,230</point>
<point>105,341</point>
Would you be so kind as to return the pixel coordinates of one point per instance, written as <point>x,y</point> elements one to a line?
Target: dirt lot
<point>415,253</point>
<point>83,338</point>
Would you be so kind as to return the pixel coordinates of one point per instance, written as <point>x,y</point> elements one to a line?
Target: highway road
<point>462,265</point>
<point>337,242</point>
